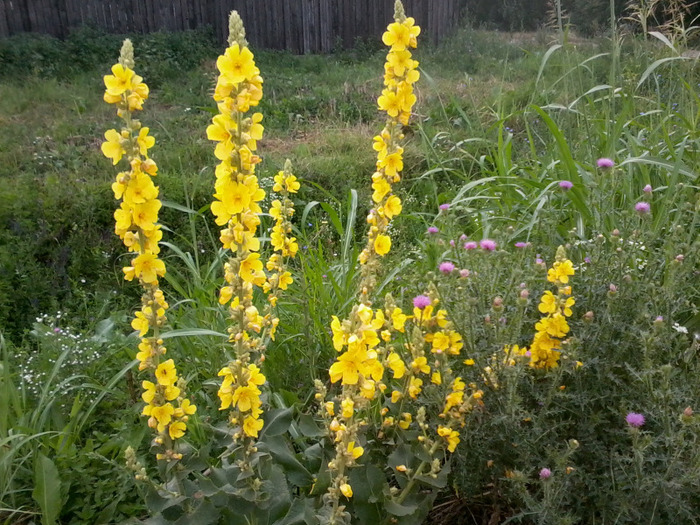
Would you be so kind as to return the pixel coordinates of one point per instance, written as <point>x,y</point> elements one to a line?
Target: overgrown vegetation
<point>588,144</point>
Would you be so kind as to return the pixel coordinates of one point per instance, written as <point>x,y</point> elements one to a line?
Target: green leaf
<point>277,421</point>
<point>204,514</point>
<point>545,59</point>
<point>47,489</point>
<point>300,513</point>
<point>440,481</point>
<point>653,67</point>
<point>308,427</point>
<point>156,503</point>
<point>283,455</point>
<point>398,509</point>
<point>189,332</point>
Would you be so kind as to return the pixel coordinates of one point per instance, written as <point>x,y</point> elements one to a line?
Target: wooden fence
<point>300,26</point>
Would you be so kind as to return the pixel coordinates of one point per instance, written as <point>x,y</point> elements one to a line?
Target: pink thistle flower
<point>446,267</point>
<point>635,420</point>
<point>605,163</point>
<point>432,229</point>
<point>444,207</point>
<point>566,185</point>
<point>464,273</point>
<point>545,473</point>
<point>470,245</point>
<point>421,301</point>
<point>488,245</point>
<point>642,208</point>
<point>522,244</point>
<point>647,188</point>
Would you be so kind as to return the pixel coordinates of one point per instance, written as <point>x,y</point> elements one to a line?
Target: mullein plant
<point>545,348</point>
<point>137,225</point>
<point>416,348</point>
<point>236,132</point>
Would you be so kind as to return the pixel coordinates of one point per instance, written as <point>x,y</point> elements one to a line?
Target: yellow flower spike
<point>544,350</point>
<point>136,223</point>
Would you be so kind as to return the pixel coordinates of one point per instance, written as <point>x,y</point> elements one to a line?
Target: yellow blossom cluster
<point>416,348</point>
<point>553,327</point>
<point>236,208</point>
<point>397,100</point>
<point>281,238</point>
<point>137,225</point>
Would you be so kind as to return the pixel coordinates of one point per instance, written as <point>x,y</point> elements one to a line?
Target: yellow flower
<point>139,189</point>
<point>148,267</point>
<point>441,342</point>
<point>149,392</point>
<point>145,215</point>
<point>381,187</point>
<point>285,280</point>
<point>391,102</point>
<point>246,397</point>
<point>356,452</point>
<point>566,307</point>
<point>140,323</point>
<point>451,436</point>
<point>144,141</point>
<point>399,61</point>
<point>392,164</point>
<point>420,365</point>
<point>256,377</point>
<point>414,387</point>
<point>251,426</point>
<point>346,490</point>
<point>118,82</point>
<point>398,36</point>
<point>548,303</point>
<point>187,407</point>
<point>398,367</point>
<point>177,429</point>
<point>251,268</point>
<point>395,396</point>
<point>346,368</point>
<point>398,319</point>
<point>556,325</point>
<point>560,272</point>
<point>236,65</point>
<point>392,207</point>
<point>436,378</point>
<point>113,148</point>
<point>347,406</point>
<point>166,374</point>
<point>163,415</point>
<point>382,244</point>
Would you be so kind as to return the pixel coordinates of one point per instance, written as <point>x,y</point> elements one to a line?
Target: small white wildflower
<point>679,328</point>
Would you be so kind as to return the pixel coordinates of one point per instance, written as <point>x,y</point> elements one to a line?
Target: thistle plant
<point>137,225</point>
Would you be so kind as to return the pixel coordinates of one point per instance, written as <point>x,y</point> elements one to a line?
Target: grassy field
<point>508,131</point>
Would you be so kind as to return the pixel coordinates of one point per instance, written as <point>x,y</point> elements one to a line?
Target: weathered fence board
<point>300,26</point>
